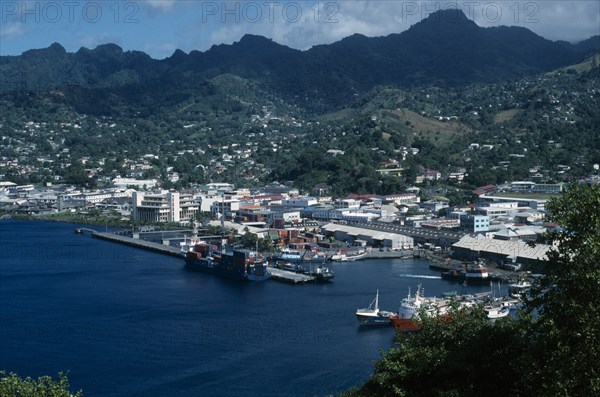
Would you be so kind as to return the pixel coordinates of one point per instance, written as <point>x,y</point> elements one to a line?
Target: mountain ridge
<point>444,49</point>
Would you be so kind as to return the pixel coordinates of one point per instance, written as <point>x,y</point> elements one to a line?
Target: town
<point>497,227</point>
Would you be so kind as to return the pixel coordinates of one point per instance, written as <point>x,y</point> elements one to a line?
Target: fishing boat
<point>372,315</point>
<point>407,318</point>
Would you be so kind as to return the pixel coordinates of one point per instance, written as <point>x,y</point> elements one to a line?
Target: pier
<point>289,277</point>
<point>138,243</point>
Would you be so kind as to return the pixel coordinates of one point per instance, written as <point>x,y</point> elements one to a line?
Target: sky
<point>159,27</point>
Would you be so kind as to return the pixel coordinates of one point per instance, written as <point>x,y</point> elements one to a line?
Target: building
<point>373,238</point>
<point>229,208</point>
<point>138,183</point>
<point>501,251</point>
<point>432,175</point>
<point>517,202</point>
<point>434,206</point>
<point>220,187</point>
<point>99,196</point>
<point>532,187</point>
<point>164,206</point>
<point>349,215</point>
<point>400,199</point>
<point>299,202</point>
<point>347,204</point>
<point>475,223</point>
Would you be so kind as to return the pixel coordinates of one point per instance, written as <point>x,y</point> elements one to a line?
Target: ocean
<point>126,322</point>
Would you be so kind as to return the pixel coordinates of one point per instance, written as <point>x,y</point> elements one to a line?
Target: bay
<point>126,322</point>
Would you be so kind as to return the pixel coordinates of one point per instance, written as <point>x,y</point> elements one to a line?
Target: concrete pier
<point>138,243</point>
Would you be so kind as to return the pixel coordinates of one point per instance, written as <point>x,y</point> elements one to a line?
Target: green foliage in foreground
<point>11,385</point>
<point>552,349</point>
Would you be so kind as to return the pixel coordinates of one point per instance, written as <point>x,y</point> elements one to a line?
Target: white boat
<point>520,288</point>
<point>407,318</point>
<point>372,315</point>
<point>494,312</point>
<point>345,257</point>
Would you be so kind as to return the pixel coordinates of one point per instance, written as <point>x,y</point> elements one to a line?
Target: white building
<point>347,204</point>
<point>221,187</point>
<point>138,183</point>
<point>225,207</point>
<point>299,202</point>
<point>99,196</point>
<point>163,206</point>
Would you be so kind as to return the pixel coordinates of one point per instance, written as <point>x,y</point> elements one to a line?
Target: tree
<point>76,175</point>
<point>11,385</point>
<point>564,358</point>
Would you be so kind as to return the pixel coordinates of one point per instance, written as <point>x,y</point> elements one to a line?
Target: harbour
<point>108,300</point>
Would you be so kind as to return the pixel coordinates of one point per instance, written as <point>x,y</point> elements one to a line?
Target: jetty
<point>290,277</point>
<point>138,243</point>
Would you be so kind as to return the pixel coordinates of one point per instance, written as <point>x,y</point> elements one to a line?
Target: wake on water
<point>420,276</point>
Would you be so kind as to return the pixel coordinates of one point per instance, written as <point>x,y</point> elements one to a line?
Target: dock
<point>138,243</point>
<point>289,277</point>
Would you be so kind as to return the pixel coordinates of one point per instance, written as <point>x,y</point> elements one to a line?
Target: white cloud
<point>94,41</point>
<point>160,5</point>
<point>12,30</point>
<point>160,51</point>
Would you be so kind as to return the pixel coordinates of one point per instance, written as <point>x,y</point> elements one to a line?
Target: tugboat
<point>372,315</point>
<point>475,274</point>
<point>321,273</point>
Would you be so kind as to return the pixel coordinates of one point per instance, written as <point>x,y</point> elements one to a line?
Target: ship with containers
<point>226,261</point>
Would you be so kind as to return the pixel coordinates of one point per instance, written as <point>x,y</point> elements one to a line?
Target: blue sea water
<point>127,322</point>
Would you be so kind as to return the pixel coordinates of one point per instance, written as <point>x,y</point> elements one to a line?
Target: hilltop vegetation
<point>364,115</point>
<point>230,129</point>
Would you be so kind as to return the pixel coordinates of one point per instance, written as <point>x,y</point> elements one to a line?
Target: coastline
<point>82,219</point>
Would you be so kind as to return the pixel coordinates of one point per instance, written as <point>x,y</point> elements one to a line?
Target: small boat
<point>372,315</point>
<point>343,256</point>
<point>474,274</point>
<point>494,312</point>
<point>321,274</point>
<point>519,289</point>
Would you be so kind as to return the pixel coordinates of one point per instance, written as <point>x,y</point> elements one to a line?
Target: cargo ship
<point>226,261</point>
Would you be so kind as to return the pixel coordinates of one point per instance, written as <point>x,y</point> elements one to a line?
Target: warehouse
<point>373,238</point>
